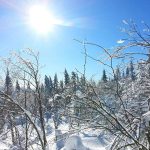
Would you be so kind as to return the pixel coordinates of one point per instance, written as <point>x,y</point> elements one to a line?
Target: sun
<point>40,19</point>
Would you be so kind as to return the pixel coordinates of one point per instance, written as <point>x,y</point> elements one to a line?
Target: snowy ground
<point>92,143</point>
<point>87,140</point>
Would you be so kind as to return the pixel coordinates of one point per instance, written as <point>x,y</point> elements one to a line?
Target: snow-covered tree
<point>127,72</point>
<point>55,84</point>
<point>132,73</point>
<point>17,86</point>
<point>48,86</point>
<point>117,74</point>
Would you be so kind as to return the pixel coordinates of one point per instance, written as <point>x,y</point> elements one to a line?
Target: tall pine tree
<point>8,91</point>
<point>73,80</point>
<point>55,84</point>
<point>127,72</point>
<point>47,86</point>
<point>8,84</point>
<point>61,85</point>
<point>51,85</point>
<point>132,73</point>
<point>117,74</point>
<point>66,77</point>
<point>104,76</point>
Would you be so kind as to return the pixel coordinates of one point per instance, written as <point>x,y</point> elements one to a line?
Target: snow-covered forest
<point>77,113</point>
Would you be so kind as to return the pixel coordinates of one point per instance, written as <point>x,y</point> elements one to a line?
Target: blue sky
<point>97,21</point>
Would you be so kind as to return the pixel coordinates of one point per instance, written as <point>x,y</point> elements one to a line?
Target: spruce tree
<point>55,84</point>
<point>132,73</point>
<point>8,84</point>
<point>51,85</point>
<point>67,78</point>
<point>117,74</point>
<point>73,80</point>
<point>47,86</point>
<point>8,91</point>
<point>43,95</point>
<point>61,85</point>
<point>82,81</point>
<point>127,72</point>
<point>104,76</point>
<point>42,88</point>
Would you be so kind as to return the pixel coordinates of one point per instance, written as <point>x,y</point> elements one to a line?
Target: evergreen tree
<point>77,79</point>
<point>47,86</point>
<point>127,72</point>
<point>132,73</point>
<point>61,85</point>
<point>46,82</point>
<point>55,84</point>
<point>67,78</point>
<point>51,85</point>
<point>43,94</point>
<point>117,74</point>
<point>8,91</point>
<point>104,76</point>
<point>17,86</point>
<point>8,84</point>
<point>73,80</point>
<point>42,88</point>
<point>82,80</point>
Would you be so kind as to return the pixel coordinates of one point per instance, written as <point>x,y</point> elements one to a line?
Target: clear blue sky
<point>98,21</point>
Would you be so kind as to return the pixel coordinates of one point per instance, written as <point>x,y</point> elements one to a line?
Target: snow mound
<point>74,143</point>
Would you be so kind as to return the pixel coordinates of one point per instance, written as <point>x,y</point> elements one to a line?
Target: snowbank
<point>74,142</point>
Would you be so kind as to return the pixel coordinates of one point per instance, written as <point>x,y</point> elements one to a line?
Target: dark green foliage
<point>82,81</point>
<point>77,79</point>
<point>73,77</point>
<point>104,76</point>
<point>42,88</point>
<point>127,72</point>
<point>73,80</point>
<point>132,73</point>
<point>8,84</point>
<point>51,85</point>
<point>48,86</point>
<point>67,78</point>
<point>55,84</point>
<point>61,85</point>
<point>117,74</point>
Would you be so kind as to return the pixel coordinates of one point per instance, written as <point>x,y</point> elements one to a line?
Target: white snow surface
<point>85,140</point>
<point>85,143</point>
<point>74,142</point>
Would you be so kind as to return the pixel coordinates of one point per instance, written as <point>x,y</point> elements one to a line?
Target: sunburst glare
<point>40,19</point>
